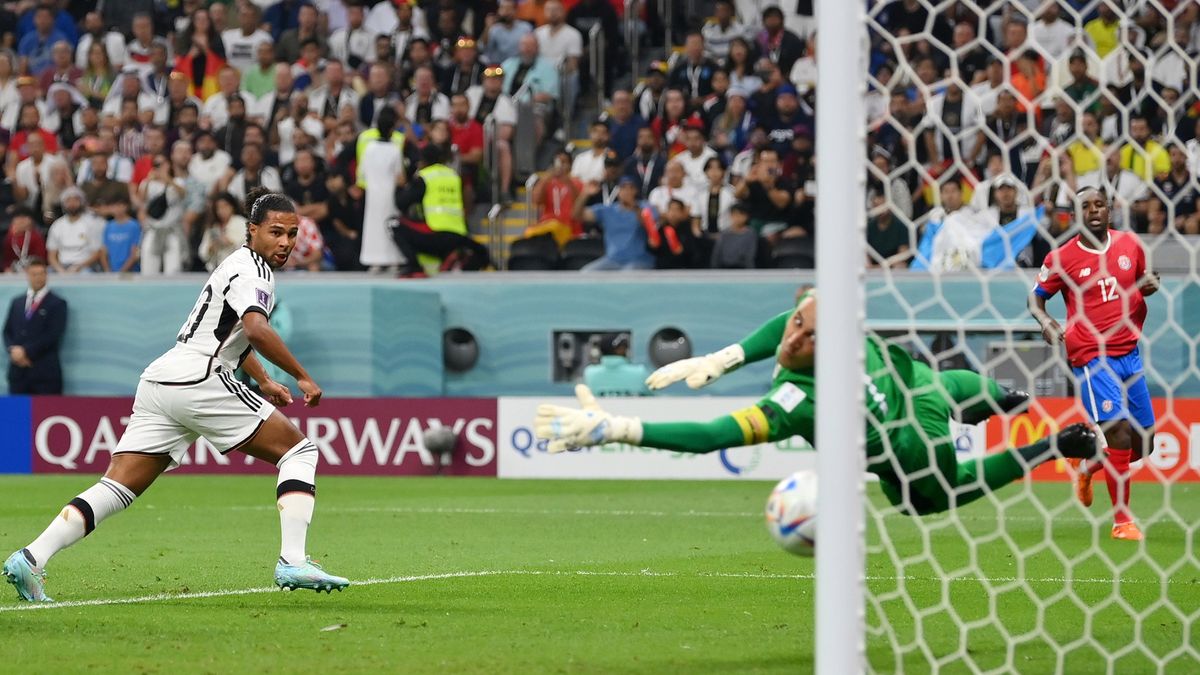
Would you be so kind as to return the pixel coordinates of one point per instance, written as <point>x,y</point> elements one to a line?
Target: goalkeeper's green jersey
<point>788,409</point>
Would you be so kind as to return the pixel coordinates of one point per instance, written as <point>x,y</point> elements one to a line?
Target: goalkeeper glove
<point>569,428</point>
<point>699,371</point>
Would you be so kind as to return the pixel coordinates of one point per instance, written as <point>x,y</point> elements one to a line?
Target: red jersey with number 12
<point>1105,309</point>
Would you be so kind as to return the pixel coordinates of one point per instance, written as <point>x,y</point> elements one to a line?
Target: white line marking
<point>165,597</point>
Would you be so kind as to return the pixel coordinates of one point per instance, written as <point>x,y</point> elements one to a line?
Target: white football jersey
<point>213,334</point>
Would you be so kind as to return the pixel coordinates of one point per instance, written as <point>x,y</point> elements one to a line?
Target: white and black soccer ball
<point>792,513</point>
<point>440,440</point>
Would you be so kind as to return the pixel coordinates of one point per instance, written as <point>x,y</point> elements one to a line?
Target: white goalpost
<point>840,147</point>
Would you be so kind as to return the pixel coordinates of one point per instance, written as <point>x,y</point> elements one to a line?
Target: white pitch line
<point>166,597</point>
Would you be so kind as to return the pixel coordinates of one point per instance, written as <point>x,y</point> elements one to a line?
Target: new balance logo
<point>1085,272</point>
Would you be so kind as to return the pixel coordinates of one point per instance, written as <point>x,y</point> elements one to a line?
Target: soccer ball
<point>792,513</point>
<point>440,440</point>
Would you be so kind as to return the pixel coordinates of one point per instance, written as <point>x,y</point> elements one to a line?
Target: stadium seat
<point>533,254</point>
<point>581,251</point>
<point>793,254</point>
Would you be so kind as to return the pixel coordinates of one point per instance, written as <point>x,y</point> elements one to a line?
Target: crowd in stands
<point>132,131</point>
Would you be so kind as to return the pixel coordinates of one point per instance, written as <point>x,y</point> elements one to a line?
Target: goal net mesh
<point>966,98</point>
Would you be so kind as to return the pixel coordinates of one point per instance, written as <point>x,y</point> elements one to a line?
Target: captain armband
<point>754,424</point>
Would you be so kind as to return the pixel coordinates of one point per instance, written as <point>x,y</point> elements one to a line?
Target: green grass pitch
<point>487,576</point>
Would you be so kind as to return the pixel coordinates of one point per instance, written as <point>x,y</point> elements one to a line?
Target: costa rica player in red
<point>1103,278</point>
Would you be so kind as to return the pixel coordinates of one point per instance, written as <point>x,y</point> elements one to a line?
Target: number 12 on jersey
<point>1108,289</point>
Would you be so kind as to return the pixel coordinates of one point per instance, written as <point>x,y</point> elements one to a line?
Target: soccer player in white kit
<point>190,391</point>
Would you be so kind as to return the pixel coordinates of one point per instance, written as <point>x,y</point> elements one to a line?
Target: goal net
<point>985,120</point>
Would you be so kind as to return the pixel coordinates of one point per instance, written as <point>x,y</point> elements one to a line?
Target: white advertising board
<point>521,455</point>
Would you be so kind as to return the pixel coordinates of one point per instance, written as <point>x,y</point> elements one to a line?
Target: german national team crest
<point>263,297</point>
<point>1106,406</point>
<point>1124,263</point>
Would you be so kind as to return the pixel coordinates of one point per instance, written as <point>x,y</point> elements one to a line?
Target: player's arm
<point>267,342</point>
<point>275,392</point>
<point>571,428</point>
<point>1048,285</point>
<point>1148,280</point>
<point>703,370</point>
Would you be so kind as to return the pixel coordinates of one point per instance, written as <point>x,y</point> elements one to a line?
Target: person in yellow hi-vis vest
<point>438,189</point>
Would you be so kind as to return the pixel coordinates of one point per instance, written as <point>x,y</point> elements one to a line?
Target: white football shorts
<point>168,418</point>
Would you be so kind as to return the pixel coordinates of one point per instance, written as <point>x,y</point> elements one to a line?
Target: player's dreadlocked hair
<point>261,201</point>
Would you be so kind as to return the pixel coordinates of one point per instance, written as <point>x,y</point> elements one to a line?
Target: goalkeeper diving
<point>908,410</point>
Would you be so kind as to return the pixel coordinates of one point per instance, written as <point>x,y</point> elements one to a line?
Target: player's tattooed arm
<point>1149,284</point>
<point>267,342</point>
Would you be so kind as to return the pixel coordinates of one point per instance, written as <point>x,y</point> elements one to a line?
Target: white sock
<point>79,518</point>
<point>295,494</point>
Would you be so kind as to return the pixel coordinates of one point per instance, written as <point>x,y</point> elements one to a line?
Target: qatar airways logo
<point>62,441</point>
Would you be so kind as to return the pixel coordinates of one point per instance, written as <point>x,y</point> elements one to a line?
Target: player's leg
<point>979,396</point>
<point>1102,391</point>
<point>143,453</point>
<point>239,419</point>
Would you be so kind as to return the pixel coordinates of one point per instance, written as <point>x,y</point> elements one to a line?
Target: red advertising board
<point>382,437</point>
<point>1176,455</point>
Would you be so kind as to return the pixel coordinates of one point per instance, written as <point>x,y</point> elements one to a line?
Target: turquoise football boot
<point>309,575</point>
<point>31,584</point>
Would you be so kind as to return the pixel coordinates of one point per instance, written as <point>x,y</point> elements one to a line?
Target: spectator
<point>716,199</point>
<point>467,136</point>
<point>1143,155</point>
<point>156,77</point>
<point>804,71</point>
<point>729,131</point>
<point>344,237</point>
<point>195,198</point>
<point>170,111</point>
<point>675,186</point>
<point>694,73</point>
<point>254,172</point>
<point>695,157</point>
<point>539,73</point>
<point>379,94</point>
<point>139,49</point>
<point>1051,32</point>
<point>972,59</point>
<point>122,239</point>
<point>259,79</point>
<point>75,239</point>
<point>353,45</point>
<point>769,193</point>
<point>328,99</point>
<point>98,76</point>
<point>772,79</point>
<point>35,47</point>
<point>610,183</point>
<point>649,93</point>
<point>123,13</point>
<point>647,164</point>
<point>887,240</point>
<point>669,125</point>
<point>155,146</point>
<point>30,125</point>
<point>554,195</point>
<point>215,111</point>
<point>242,43</point>
<point>275,106</point>
<point>721,29</point>
<point>62,67</point>
<point>408,27</point>
<point>380,171</point>
<point>164,199</point>
<point>625,236</point>
<point>426,103</point>
<point>677,245</point>
<point>466,71</point>
<point>209,163</point>
<point>438,190</point>
<point>113,42</point>
<point>790,129</point>
<point>300,128</point>
<point>287,47</point>
<point>307,187</point>
<point>502,33</point>
<point>777,43</point>
<point>737,246</point>
<point>615,374</point>
<point>224,231</point>
<point>23,244</point>
<point>1179,196</point>
<point>488,101</point>
<point>950,117</point>
<point>588,165</point>
<point>1082,88</point>
<point>740,65</point>
<point>562,45</point>
<point>623,124</point>
<point>99,189</point>
<point>1104,30</point>
<point>35,183</point>
<point>33,332</point>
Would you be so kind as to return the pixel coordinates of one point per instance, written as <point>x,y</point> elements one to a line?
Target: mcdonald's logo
<point>1024,430</point>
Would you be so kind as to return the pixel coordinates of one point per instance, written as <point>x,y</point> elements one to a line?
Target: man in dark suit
<point>32,334</point>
